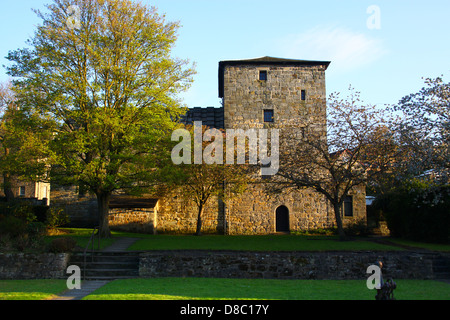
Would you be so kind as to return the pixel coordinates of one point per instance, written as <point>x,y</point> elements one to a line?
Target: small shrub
<point>36,229</point>
<point>56,217</point>
<point>23,211</point>
<point>61,245</point>
<point>6,244</point>
<point>12,226</point>
<point>357,228</point>
<point>41,213</point>
<point>22,242</point>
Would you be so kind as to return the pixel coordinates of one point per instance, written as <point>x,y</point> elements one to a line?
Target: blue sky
<point>410,41</point>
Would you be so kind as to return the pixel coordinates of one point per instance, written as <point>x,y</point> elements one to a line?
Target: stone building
<point>37,192</point>
<point>267,92</point>
<point>260,93</point>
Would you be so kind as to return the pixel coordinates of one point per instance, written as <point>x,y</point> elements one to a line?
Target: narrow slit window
<point>263,75</point>
<point>303,95</point>
<point>268,115</point>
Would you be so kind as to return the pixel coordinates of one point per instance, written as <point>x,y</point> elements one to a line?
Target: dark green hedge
<point>417,211</point>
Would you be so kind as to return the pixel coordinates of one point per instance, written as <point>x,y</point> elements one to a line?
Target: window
<point>21,191</point>
<point>268,115</point>
<point>263,75</point>
<point>303,95</point>
<point>348,206</point>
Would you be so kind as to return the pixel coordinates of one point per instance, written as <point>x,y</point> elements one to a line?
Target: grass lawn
<point>30,289</point>
<point>251,243</point>
<point>82,237</point>
<point>226,289</point>
<point>424,245</point>
<point>255,243</point>
<point>261,289</point>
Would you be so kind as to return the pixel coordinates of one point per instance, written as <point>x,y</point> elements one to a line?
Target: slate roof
<point>210,116</point>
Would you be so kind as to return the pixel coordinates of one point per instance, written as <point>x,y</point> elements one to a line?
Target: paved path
<point>87,287</point>
<point>120,245</point>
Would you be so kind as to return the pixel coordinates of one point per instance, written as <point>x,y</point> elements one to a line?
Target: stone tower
<point>289,95</point>
<point>282,93</point>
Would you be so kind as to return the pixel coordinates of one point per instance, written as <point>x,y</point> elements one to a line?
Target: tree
<point>334,164</point>
<point>202,179</point>
<point>102,70</point>
<point>22,147</point>
<point>425,128</point>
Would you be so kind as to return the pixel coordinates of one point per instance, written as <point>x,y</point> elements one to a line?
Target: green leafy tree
<point>24,137</point>
<point>102,70</point>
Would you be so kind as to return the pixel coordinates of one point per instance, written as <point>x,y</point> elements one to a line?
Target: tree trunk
<point>337,215</point>
<point>103,212</point>
<point>7,187</point>
<point>198,232</point>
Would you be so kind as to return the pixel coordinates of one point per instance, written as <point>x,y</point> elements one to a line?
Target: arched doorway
<point>282,219</point>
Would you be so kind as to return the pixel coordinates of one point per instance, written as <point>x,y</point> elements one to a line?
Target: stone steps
<point>107,265</point>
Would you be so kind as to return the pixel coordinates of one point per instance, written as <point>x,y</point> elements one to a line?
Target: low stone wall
<point>237,264</point>
<point>283,265</point>
<point>33,266</point>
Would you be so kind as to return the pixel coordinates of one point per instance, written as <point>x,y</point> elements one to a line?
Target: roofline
<point>265,61</point>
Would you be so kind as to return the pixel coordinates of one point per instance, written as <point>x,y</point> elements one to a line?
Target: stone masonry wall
<point>176,214</point>
<point>254,212</point>
<point>82,210</point>
<point>239,264</point>
<point>246,97</point>
<point>141,220</point>
<point>284,265</point>
<point>33,266</point>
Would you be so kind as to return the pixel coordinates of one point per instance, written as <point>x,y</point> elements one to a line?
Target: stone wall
<point>177,214</point>
<point>82,209</point>
<point>33,266</point>
<point>254,212</point>
<point>284,265</point>
<point>246,97</point>
<point>239,264</point>
<point>141,220</point>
